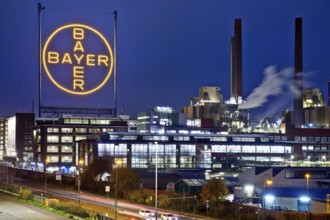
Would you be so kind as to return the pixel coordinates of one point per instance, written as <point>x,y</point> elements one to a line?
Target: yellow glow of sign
<point>78,59</point>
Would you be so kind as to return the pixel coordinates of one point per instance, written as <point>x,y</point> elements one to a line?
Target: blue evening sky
<point>166,49</point>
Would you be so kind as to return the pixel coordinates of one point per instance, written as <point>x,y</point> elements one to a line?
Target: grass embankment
<point>60,206</point>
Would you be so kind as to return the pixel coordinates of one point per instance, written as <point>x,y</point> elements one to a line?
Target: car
<point>146,213</point>
<point>168,216</point>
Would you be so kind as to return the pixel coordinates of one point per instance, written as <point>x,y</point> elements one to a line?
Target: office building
<point>19,146</point>
<point>54,138</point>
<point>3,136</point>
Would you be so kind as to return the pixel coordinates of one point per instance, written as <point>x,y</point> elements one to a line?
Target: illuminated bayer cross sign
<point>77,59</point>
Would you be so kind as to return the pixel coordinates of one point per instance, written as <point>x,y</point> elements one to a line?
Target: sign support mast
<point>40,8</point>
<point>115,59</point>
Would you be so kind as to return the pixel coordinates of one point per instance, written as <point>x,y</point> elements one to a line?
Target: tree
<point>95,170</point>
<point>215,191</point>
<point>128,180</point>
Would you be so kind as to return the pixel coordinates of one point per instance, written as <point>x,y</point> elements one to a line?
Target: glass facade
<point>188,151</point>
<point>66,149</point>
<point>53,139</point>
<point>144,155</point>
<point>140,157</point>
<point>112,150</point>
<point>66,159</point>
<point>187,155</point>
<point>52,149</point>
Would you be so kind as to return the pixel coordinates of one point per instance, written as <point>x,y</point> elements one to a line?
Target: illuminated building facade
<point>3,136</point>
<point>68,139</point>
<point>207,106</point>
<point>184,150</point>
<point>158,118</point>
<point>313,142</point>
<point>190,149</point>
<point>19,142</point>
<point>54,137</point>
<point>209,110</point>
<point>313,97</point>
<point>316,113</point>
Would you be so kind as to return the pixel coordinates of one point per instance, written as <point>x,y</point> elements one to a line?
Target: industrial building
<point>209,109</point>
<point>159,117</point>
<point>315,113</point>
<point>303,189</point>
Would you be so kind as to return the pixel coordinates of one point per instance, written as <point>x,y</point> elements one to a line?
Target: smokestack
<point>232,69</point>
<point>237,59</point>
<point>298,75</point>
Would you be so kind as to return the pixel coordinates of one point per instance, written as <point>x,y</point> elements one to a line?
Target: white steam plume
<point>278,105</point>
<point>273,84</point>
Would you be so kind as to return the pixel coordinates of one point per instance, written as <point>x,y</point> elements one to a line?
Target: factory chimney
<point>236,61</point>
<point>298,76</point>
<point>232,69</point>
<point>329,92</point>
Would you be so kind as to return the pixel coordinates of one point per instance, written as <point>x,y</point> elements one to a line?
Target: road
<point>10,209</point>
<point>124,208</point>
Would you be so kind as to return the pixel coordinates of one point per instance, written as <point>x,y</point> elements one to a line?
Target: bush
<point>164,201</point>
<point>52,202</point>
<point>71,209</point>
<point>141,196</point>
<point>25,194</point>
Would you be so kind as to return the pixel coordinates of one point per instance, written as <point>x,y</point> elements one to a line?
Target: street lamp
<point>45,170</point>
<point>239,213</point>
<point>266,182</point>
<point>116,192</point>
<point>257,212</point>
<point>307,176</point>
<point>80,163</point>
<point>207,207</point>
<point>156,180</point>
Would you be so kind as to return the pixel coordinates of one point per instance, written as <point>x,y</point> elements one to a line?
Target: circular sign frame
<point>78,72</point>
